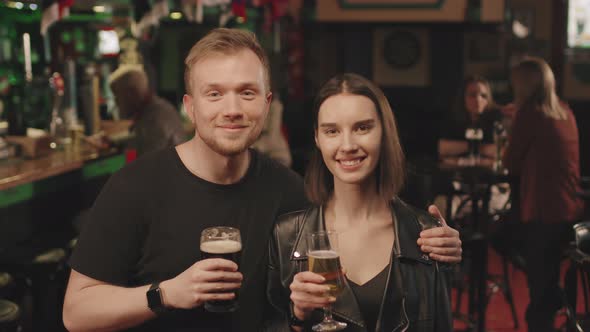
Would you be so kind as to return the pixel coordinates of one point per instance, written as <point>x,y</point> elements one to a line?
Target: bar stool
<point>48,279</point>
<point>9,316</point>
<point>7,285</point>
<point>40,286</point>
<point>475,244</point>
<point>580,266</point>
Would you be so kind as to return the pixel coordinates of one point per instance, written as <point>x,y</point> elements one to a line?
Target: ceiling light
<point>520,30</point>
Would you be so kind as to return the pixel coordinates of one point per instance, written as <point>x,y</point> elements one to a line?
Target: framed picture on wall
<point>401,57</point>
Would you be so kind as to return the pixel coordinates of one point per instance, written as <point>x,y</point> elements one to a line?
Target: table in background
<point>476,179</point>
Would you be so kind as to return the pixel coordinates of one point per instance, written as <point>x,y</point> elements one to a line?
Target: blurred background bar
<point>62,134</point>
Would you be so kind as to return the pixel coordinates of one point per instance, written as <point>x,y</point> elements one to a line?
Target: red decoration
<point>295,60</point>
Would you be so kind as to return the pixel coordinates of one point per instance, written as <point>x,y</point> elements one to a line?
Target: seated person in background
<point>155,122</point>
<point>271,140</point>
<point>476,109</point>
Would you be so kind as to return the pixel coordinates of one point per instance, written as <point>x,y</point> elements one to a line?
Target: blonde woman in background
<point>543,150</point>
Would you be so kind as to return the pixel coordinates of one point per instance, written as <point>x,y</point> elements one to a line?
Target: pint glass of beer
<point>221,242</point>
<point>323,259</point>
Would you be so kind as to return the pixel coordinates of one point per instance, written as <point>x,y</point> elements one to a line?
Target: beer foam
<point>323,254</point>
<point>221,247</point>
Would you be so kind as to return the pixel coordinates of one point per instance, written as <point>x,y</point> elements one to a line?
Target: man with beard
<point>142,237</point>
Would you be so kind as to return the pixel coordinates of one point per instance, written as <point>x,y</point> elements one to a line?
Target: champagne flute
<point>323,259</point>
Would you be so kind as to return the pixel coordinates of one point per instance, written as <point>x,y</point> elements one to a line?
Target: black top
<point>369,297</point>
<point>454,127</point>
<point>145,226</point>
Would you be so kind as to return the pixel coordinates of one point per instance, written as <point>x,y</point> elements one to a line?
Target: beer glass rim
<point>330,235</point>
<point>224,227</point>
<point>235,232</point>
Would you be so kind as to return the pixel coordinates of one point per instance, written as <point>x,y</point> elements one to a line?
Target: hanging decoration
<point>148,16</point>
<point>53,11</point>
<point>295,60</point>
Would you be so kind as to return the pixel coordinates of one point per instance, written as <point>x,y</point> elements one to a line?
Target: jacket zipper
<point>405,316</point>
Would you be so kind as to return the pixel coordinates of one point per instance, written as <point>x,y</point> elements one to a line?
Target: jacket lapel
<point>313,221</point>
<point>407,232</point>
<point>393,293</point>
<point>405,248</point>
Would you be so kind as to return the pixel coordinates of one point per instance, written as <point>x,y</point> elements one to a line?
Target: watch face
<point>154,299</point>
<point>401,49</point>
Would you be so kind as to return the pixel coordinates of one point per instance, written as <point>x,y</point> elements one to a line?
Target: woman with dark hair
<point>353,180</point>
<point>543,150</point>
<point>475,109</point>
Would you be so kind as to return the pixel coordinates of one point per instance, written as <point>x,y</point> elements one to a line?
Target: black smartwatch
<point>154,299</point>
<point>293,320</point>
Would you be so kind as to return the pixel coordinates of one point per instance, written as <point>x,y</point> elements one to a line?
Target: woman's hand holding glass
<point>308,292</point>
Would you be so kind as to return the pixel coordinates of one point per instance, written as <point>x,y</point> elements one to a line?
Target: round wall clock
<point>401,49</point>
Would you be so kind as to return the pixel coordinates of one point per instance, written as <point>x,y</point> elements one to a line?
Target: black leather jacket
<point>417,293</point>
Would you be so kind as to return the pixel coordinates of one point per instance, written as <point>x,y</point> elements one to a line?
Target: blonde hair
<point>536,87</point>
<point>319,182</point>
<point>227,42</point>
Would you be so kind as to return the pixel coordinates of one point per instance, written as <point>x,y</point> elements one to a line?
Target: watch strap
<point>154,299</point>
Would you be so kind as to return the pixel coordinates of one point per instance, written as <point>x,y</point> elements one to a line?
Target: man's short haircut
<point>228,42</point>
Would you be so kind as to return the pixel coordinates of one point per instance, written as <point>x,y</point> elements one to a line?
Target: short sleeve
<point>110,241</point>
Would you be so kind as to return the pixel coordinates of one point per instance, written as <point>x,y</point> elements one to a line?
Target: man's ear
<point>269,98</point>
<point>188,103</point>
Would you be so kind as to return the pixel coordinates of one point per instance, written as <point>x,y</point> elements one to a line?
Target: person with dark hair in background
<point>475,108</point>
<point>156,124</point>
<point>543,151</point>
<point>355,174</point>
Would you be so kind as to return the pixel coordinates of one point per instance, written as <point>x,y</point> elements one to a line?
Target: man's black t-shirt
<point>145,226</point>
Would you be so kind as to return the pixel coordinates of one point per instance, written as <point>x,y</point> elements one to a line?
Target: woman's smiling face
<point>349,137</point>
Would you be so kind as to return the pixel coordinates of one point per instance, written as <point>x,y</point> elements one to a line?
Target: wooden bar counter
<point>22,179</point>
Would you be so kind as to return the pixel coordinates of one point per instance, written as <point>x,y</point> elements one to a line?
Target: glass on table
<point>474,136</point>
